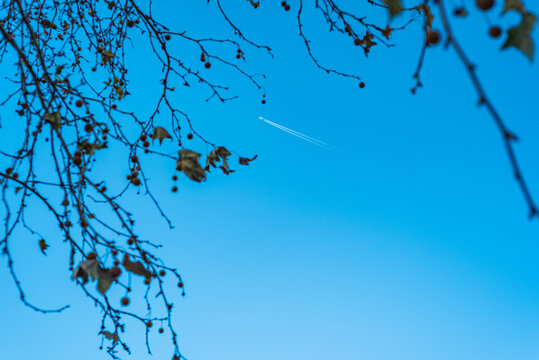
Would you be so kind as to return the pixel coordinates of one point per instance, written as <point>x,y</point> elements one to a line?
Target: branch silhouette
<point>67,85</point>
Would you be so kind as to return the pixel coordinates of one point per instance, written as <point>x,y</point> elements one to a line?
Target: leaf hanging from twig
<point>91,269</point>
<point>519,36</point>
<point>219,154</point>
<point>188,163</point>
<point>394,7</point>
<point>160,133</point>
<point>135,267</point>
<point>246,161</point>
<point>110,336</point>
<point>43,246</point>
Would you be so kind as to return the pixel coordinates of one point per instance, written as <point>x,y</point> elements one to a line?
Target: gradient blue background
<point>413,245</point>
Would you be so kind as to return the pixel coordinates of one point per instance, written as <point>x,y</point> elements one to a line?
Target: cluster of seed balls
<point>285,6</point>
<point>485,5</point>
<point>133,177</point>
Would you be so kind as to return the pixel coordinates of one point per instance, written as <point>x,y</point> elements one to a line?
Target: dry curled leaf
<point>135,267</point>
<point>394,7</point>
<point>188,163</point>
<point>245,161</point>
<point>91,269</point>
<point>54,119</point>
<point>160,133</point>
<point>110,336</point>
<point>519,36</point>
<point>43,246</point>
<point>219,154</point>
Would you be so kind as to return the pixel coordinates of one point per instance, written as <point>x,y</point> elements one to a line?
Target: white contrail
<point>296,133</point>
<point>302,136</point>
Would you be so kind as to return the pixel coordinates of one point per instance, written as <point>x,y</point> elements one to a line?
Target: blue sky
<point>415,244</point>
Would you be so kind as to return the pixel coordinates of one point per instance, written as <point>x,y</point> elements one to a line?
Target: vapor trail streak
<point>301,136</point>
<point>297,133</point>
